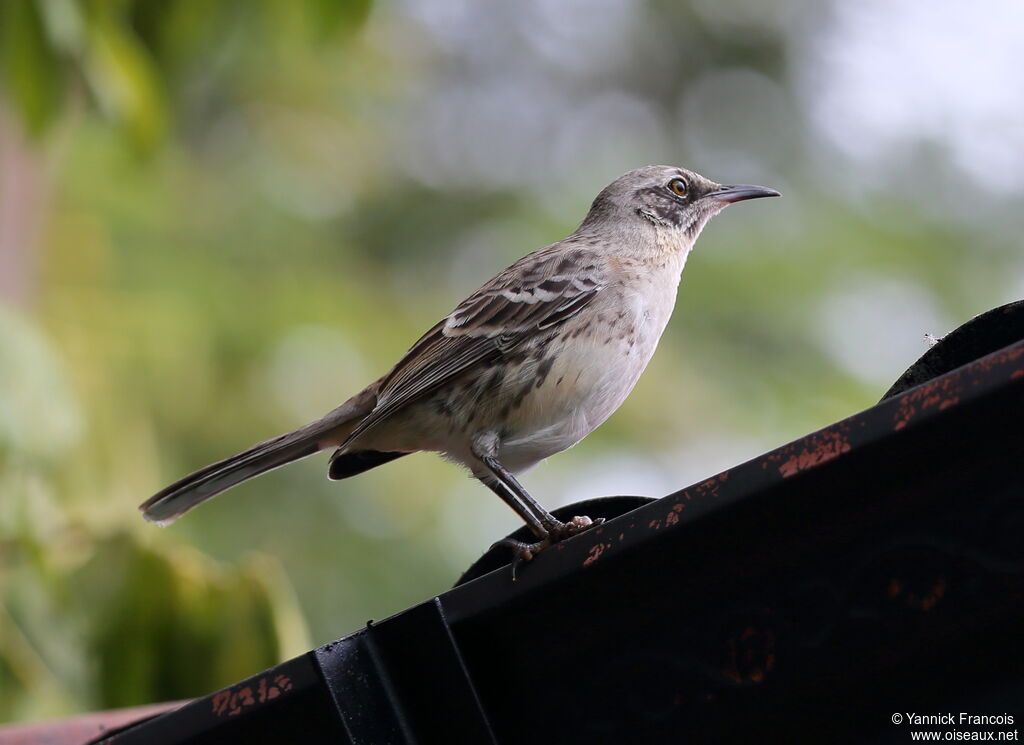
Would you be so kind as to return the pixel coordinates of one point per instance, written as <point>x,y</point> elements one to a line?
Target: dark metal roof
<point>872,567</point>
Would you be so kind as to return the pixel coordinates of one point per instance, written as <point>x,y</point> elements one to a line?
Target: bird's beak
<point>739,192</point>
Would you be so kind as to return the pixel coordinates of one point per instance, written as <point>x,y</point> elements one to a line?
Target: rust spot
<point>931,599</point>
<point>709,488</point>
<point>654,524</point>
<point>1001,358</point>
<point>704,490</point>
<point>1016,374</point>
<point>941,394</point>
<point>822,448</point>
<point>750,655</point>
<point>232,701</point>
<point>923,600</point>
<point>595,553</point>
<point>673,514</point>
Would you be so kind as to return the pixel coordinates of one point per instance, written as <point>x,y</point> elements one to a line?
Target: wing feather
<point>538,292</point>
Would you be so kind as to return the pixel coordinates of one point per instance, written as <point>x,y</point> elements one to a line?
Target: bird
<point>523,368</point>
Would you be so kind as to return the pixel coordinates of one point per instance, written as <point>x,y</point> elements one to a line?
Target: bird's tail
<point>172,502</point>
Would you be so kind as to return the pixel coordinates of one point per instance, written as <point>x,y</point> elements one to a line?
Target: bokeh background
<point>219,218</point>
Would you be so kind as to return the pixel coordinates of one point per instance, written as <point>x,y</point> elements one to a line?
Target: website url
<point>963,736</point>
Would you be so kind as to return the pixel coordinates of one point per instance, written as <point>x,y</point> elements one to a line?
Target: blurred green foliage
<point>94,611</point>
<point>137,61</point>
<point>221,218</point>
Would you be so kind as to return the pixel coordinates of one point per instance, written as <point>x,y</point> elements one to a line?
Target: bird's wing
<point>536,293</point>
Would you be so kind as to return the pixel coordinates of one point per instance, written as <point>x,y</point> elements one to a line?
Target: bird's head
<point>668,197</point>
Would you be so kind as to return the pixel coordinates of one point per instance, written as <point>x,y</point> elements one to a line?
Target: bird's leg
<point>521,550</point>
<point>533,522</point>
<point>501,481</point>
<point>554,529</point>
<point>542,523</point>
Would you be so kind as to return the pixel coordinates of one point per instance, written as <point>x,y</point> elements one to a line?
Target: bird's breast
<point>586,372</point>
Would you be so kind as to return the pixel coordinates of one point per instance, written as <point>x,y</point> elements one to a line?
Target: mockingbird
<point>525,367</point>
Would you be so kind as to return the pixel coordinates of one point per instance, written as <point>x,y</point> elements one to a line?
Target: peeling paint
<point>673,514</point>
<point>897,590</point>
<point>231,701</point>
<point>595,553</point>
<point>822,447</point>
<point>1011,354</point>
<point>749,656</point>
<point>941,394</point>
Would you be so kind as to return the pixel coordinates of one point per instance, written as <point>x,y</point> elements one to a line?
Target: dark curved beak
<point>739,192</point>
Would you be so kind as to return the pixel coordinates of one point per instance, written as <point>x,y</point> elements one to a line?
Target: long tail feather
<point>170,503</point>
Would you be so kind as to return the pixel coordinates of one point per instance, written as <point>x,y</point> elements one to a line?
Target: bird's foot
<point>579,524</point>
<point>559,531</point>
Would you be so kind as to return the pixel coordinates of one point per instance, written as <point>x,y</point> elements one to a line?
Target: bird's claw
<point>523,551</point>
<point>579,524</point>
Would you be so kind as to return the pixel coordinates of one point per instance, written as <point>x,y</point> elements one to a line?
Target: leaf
<point>331,17</point>
<point>121,75</point>
<point>32,74</point>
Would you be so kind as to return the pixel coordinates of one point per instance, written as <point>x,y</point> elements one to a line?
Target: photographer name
<point>961,718</point>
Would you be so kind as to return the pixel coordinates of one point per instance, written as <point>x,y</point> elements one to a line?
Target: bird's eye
<point>678,187</point>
